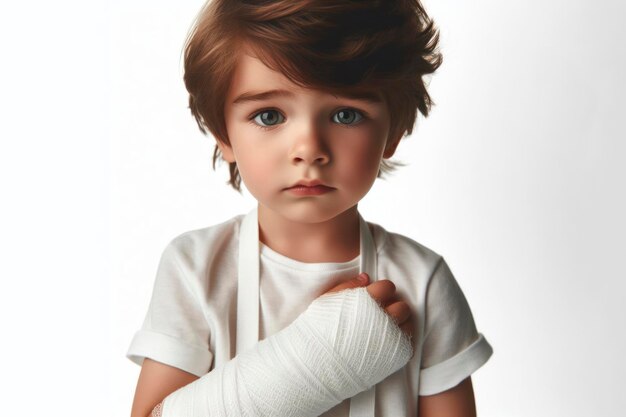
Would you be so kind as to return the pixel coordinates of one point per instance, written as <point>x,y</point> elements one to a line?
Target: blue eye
<point>268,118</point>
<point>347,116</point>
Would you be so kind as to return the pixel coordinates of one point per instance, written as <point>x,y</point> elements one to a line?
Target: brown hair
<point>331,45</point>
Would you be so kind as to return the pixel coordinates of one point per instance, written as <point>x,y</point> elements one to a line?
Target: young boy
<point>306,100</point>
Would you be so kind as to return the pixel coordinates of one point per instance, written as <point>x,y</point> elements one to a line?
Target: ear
<point>227,151</point>
<point>391,146</point>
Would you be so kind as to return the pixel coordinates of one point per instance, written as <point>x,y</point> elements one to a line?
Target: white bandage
<point>344,343</point>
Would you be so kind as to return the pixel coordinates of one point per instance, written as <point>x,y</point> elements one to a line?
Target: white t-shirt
<point>192,317</point>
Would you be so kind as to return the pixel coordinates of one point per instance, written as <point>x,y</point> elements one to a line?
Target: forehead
<point>253,80</point>
<point>252,74</point>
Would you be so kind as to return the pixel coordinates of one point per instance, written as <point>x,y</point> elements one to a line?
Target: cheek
<point>257,168</point>
<point>360,162</point>
<point>250,165</point>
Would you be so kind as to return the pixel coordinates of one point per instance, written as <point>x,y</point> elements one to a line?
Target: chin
<point>311,214</point>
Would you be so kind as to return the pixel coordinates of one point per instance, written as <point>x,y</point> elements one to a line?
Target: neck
<point>333,240</point>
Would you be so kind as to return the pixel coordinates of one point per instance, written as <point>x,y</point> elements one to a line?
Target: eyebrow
<point>369,96</point>
<point>248,96</point>
<point>252,96</point>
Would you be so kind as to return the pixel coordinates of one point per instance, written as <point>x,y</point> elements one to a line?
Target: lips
<point>304,191</point>
<point>310,184</point>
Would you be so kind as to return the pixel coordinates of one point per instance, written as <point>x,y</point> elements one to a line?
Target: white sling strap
<point>248,307</point>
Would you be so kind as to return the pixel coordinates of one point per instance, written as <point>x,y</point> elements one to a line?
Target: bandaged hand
<point>384,292</point>
<point>344,343</point>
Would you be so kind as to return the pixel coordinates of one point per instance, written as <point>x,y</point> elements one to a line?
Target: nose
<point>310,147</point>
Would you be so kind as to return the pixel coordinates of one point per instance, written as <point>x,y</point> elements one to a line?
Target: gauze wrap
<point>344,343</point>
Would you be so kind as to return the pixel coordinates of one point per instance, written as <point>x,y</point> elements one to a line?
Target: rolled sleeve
<point>452,347</point>
<point>175,330</point>
<point>451,372</point>
<point>171,351</point>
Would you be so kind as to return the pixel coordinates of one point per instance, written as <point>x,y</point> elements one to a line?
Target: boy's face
<point>290,134</point>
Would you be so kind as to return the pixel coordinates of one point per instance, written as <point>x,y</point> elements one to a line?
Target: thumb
<point>358,281</point>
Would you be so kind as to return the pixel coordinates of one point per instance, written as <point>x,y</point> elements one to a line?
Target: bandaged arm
<point>344,343</point>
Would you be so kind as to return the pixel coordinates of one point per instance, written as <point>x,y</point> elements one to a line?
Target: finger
<point>399,311</point>
<point>382,291</point>
<point>358,281</point>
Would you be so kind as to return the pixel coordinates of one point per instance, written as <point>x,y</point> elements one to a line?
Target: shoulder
<point>405,252</point>
<point>207,234</point>
<point>200,245</point>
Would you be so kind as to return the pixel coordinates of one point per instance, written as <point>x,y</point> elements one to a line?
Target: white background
<point>517,178</point>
